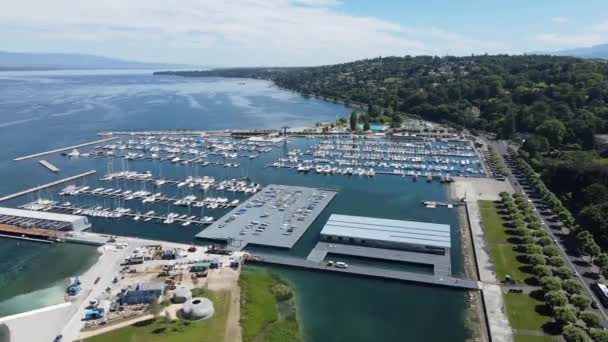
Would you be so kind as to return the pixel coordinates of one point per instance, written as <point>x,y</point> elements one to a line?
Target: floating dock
<point>48,165</point>
<point>368,271</point>
<point>44,186</point>
<point>276,216</point>
<point>64,149</point>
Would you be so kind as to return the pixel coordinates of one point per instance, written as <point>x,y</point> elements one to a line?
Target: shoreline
<point>497,326</point>
<point>475,317</point>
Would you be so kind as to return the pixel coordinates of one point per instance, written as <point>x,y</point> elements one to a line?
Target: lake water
<point>41,111</point>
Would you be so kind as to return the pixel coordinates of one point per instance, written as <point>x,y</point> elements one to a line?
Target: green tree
<point>572,333</point>
<point>591,319</point>
<point>542,271</point>
<point>563,272</point>
<point>555,261</point>
<point>552,129</point>
<point>580,302</point>
<point>598,334</point>
<point>532,249</point>
<point>564,315</point>
<point>551,283</point>
<point>556,298</point>
<point>550,250</point>
<point>572,286</point>
<point>353,121</point>
<point>536,259</point>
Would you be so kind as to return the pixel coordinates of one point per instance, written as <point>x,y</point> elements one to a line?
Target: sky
<point>297,32</point>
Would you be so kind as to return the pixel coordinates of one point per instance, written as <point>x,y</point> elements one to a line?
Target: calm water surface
<point>40,111</point>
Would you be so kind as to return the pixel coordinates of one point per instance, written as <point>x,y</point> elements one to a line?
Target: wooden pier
<point>48,165</point>
<point>44,186</point>
<point>368,271</point>
<point>65,149</point>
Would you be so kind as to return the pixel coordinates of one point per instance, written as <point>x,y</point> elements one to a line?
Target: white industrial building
<point>388,234</point>
<point>42,219</point>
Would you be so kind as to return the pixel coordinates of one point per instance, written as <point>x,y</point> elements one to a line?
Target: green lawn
<point>492,222</point>
<point>502,253</point>
<point>260,318</point>
<point>521,310</point>
<point>211,330</point>
<point>533,338</point>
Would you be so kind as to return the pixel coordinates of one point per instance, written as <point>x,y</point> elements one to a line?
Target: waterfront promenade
<point>474,190</point>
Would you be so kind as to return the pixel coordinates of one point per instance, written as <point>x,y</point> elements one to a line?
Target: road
<point>586,274</point>
<point>107,265</point>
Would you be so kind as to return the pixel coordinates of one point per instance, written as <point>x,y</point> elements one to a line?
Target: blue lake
<point>42,111</point>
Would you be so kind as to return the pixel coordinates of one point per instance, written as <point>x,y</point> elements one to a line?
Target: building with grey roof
<point>143,293</point>
<point>388,234</point>
<point>43,219</point>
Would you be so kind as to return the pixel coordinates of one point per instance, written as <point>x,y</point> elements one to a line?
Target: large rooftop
<point>277,216</point>
<point>369,228</point>
<point>77,222</point>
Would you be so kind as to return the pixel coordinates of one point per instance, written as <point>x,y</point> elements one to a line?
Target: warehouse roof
<point>369,228</point>
<point>78,222</point>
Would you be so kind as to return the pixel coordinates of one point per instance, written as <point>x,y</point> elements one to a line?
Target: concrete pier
<point>64,149</point>
<point>368,271</point>
<point>44,186</point>
<point>48,165</point>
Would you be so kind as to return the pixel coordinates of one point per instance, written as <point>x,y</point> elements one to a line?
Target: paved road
<point>586,274</point>
<point>104,268</point>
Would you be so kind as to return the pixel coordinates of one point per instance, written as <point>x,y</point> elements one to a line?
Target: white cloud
<point>568,40</point>
<point>236,32</point>
<point>601,27</point>
<point>559,20</point>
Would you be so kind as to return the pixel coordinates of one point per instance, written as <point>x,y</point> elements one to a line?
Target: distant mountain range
<point>596,51</point>
<point>63,61</point>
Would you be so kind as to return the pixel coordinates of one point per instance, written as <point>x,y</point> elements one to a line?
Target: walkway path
<point>474,190</point>
<point>107,328</point>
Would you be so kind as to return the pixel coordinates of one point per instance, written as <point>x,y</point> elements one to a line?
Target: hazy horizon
<point>297,32</point>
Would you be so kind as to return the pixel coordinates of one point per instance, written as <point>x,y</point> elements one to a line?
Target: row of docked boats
<point>204,182</point>
<point>147,197</point>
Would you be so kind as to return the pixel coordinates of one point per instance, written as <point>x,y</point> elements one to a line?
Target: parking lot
<point>277,216</point>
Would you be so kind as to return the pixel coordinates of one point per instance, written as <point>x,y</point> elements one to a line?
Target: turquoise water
<point>40,112</point>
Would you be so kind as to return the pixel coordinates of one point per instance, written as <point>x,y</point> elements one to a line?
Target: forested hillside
<point>561,100</point>
<point>555,103</point>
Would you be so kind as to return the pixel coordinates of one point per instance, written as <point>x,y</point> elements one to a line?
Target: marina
<point>36,155</point>
<point>277,216</point>
<point>368,156</point>
<point>204,183</point>
<point>322,293</point>
<point>45,186</point>
<point>117,213</point>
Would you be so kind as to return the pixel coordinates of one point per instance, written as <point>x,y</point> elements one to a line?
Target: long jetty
<point>65,149</point>
<point>368,271</point>
<point>44,186</point>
